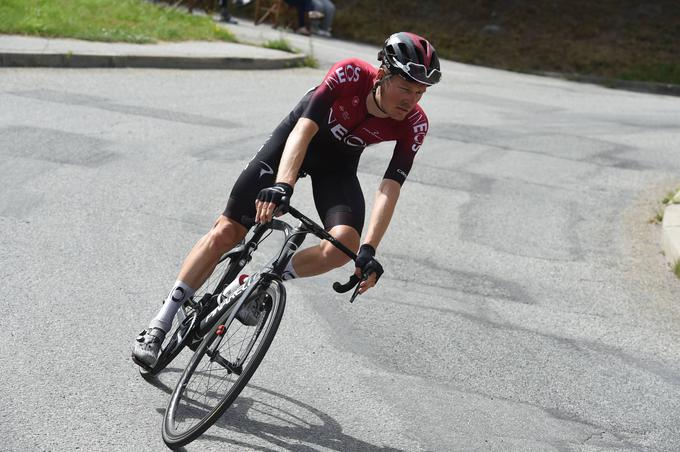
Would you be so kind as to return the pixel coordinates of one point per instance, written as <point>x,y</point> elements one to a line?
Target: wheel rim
<point>213,381</point>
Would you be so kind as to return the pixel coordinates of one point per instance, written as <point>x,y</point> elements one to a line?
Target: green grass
<point>676,269</point>
<point>284,45</point>
<point>669,72</point>
<point>106,20</point>
<point>312,62</point>
<point>279,44</point>
<point>657,218</point>
<point>668,199</point>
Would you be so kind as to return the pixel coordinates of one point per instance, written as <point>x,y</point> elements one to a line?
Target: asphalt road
<point>525,304</point>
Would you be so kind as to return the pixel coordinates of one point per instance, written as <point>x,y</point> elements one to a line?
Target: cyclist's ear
<point>383,73</point>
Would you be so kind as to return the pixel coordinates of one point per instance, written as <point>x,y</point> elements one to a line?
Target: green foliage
<point>676,269</point>
<point>658,217</point>
<point>668,199</point>
<point>659,211</point>
<point>658,72</point>
<point>279,44</point>
<point>608,38</point>
<point>106,20</point>
<point>312,62</point>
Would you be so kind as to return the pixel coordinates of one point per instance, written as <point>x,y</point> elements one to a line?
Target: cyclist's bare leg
<point>325,257</point>
<point>197,267</point>
<point>203,257</point>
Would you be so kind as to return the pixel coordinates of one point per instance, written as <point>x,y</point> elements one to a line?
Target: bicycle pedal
<point>142,365</point>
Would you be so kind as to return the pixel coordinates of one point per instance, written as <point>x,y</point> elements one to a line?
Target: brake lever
<point>354,282</point>
<point>356,289</point>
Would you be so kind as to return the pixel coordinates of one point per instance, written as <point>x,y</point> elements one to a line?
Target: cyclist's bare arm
<point>383,207</point>
<point>291,161</point>
<point>295,150</point>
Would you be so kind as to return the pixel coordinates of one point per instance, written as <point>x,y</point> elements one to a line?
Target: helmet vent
<point>403,49</point>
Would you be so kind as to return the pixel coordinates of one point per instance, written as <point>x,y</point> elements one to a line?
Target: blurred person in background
<point>325,23</point>
<point>304,8</point>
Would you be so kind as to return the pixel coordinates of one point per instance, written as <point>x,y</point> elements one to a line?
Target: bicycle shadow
<point>280,420</point>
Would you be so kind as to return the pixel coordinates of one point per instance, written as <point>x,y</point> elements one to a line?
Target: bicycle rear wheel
<point>222,366</point>
<point>183,322</point>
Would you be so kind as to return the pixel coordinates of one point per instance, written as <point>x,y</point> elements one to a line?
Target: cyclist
<point>355,106</point>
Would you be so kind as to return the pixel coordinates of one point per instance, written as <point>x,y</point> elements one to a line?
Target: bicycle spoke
<point>225,364</point>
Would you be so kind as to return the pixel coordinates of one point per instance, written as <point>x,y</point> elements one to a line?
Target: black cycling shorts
<point>337,192</point>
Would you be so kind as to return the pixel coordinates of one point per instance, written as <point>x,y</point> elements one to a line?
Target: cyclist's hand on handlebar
<point>367,265</point>
<point>271,198</point>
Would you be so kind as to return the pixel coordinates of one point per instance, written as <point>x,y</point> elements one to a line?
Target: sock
<point>178,295</point>
<point>289,272</point>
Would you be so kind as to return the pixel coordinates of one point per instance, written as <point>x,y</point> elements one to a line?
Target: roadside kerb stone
<point>671,233</point>
<point>69,60</point>
<point>24,51</point>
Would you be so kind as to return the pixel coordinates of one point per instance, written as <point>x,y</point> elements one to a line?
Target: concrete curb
<point>78,60</point>
<point>671,233</point>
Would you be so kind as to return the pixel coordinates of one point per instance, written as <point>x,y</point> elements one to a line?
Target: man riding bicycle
<point>355,106</point>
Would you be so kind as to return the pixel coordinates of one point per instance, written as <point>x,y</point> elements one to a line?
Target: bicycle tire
<point>225,272</point>
<point>265,329</point>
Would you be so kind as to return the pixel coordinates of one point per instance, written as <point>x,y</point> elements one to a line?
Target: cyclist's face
<point>401,96</point>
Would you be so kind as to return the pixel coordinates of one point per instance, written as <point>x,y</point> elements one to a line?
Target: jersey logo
<point>419,129</point>
<point>374,133</point>
<point>178,294</point>
<point>355,101</point>
<point>342,134</point>
<point>268,169</point>
<point>349,73</point>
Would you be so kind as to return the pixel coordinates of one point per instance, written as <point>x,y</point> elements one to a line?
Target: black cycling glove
<point>279,194</point>
<point>367,263</point>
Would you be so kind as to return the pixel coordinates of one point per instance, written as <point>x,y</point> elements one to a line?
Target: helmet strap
<point>375,88</point>
<point>376,85</point>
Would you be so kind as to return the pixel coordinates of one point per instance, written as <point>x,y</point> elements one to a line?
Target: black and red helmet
<point>411,56</point>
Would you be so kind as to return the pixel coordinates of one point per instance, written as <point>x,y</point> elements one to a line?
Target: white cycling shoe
<point>147,346</point>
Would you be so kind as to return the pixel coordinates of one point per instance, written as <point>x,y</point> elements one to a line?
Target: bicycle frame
<point>293,239</point>
<point>265,291</point>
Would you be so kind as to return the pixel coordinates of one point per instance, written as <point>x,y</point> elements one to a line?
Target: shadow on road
<point>280,420</point>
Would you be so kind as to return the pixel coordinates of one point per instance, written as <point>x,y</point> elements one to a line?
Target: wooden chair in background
<point>268,10</point>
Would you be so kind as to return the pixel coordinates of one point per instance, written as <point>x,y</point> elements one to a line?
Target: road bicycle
<point>228,347</point>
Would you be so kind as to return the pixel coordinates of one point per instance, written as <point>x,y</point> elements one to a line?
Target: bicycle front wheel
<point>222,366</point>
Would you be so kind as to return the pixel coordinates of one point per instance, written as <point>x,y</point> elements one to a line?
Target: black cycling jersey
<point>338,107</point>
<point>337,192</point>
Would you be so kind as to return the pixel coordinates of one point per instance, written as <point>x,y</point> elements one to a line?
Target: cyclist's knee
<point>225,234</point>
<point>333,256</point>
